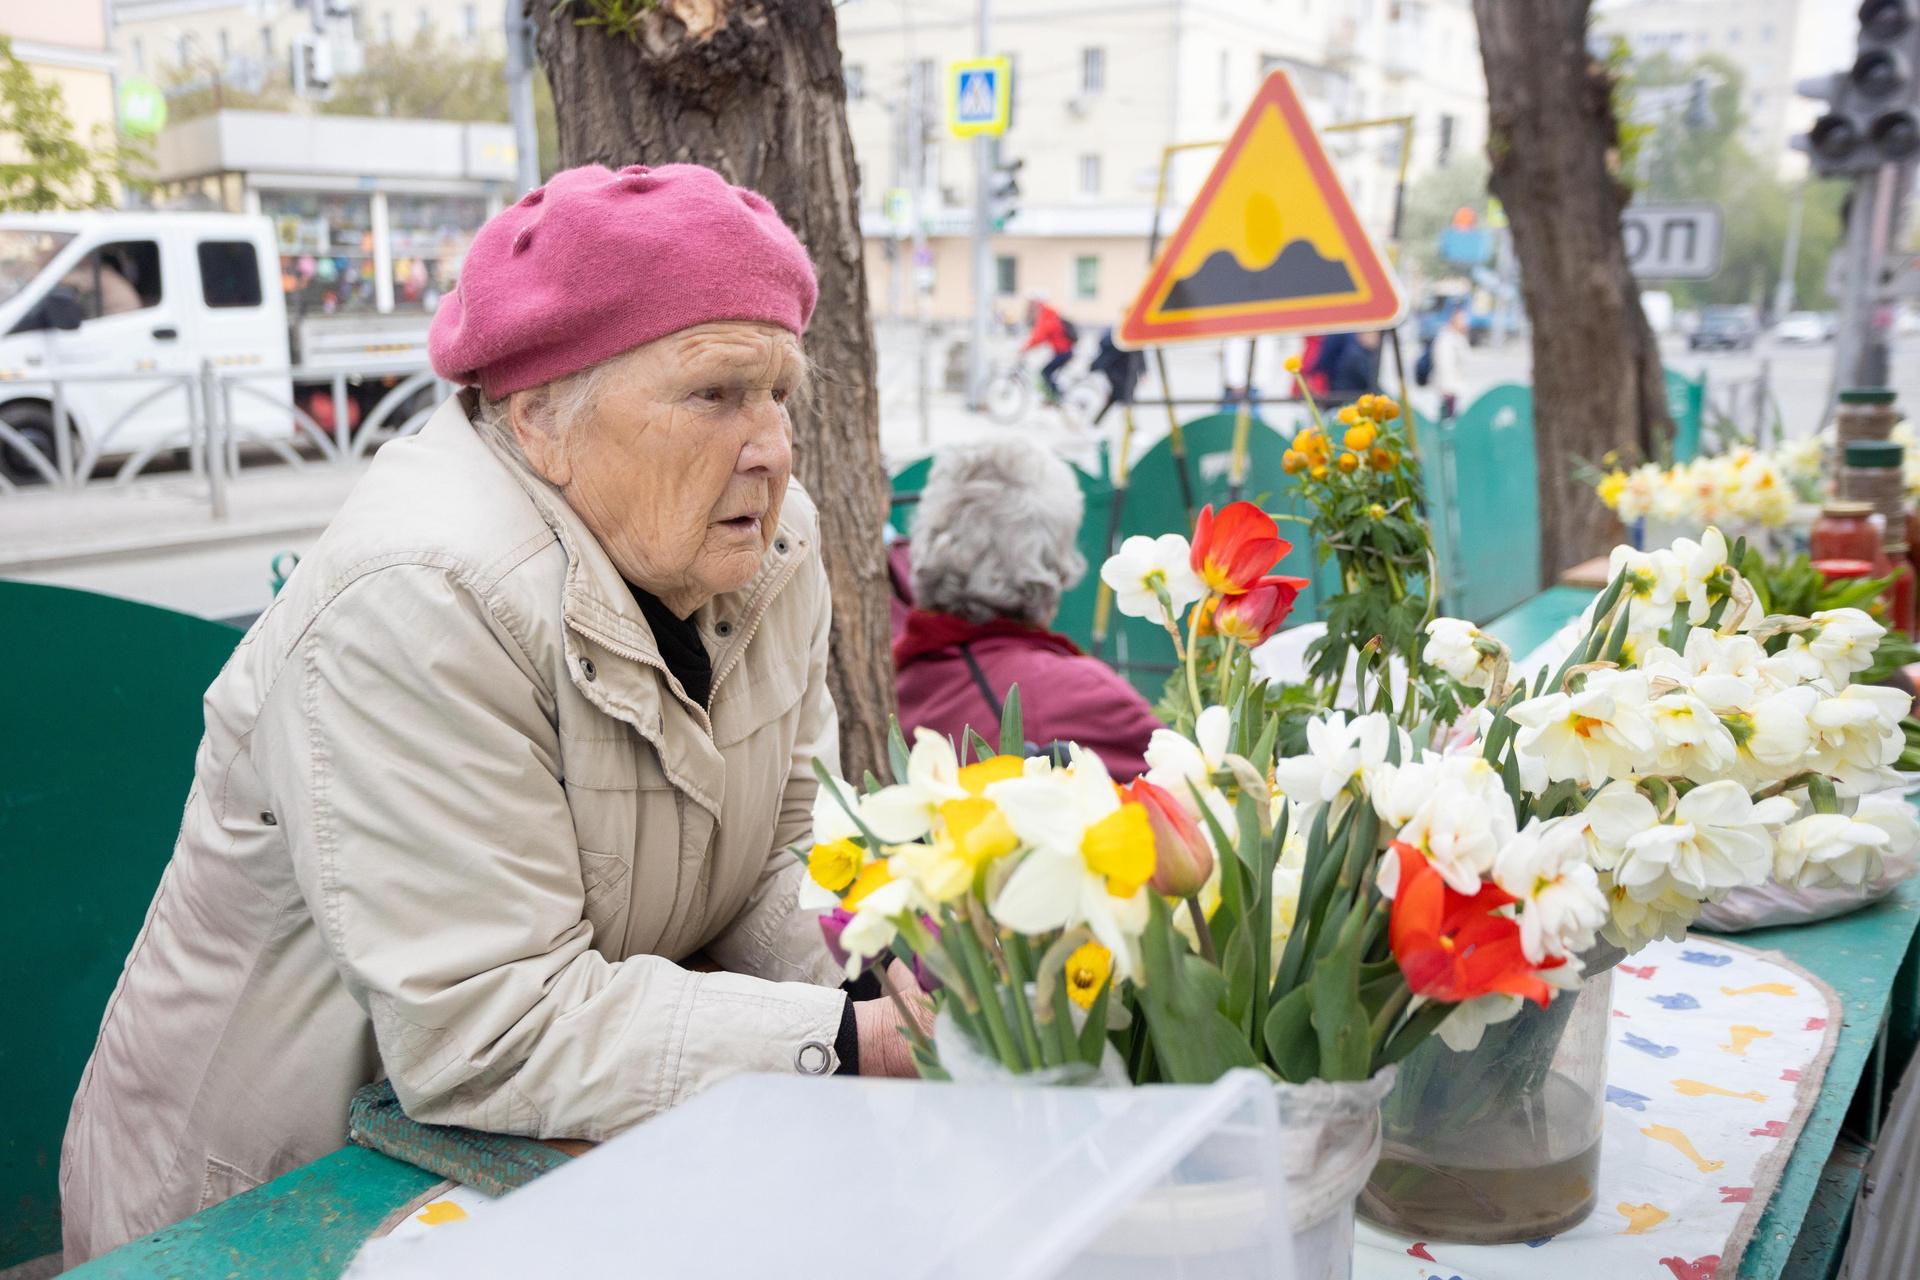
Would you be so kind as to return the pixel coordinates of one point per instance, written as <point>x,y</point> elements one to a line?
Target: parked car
<point>1801,326</point>
<point>1725,329</point>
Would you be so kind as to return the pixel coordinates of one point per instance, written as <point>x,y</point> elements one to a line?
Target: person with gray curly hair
<point>994,547</point>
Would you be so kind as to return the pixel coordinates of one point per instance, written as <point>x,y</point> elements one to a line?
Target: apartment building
<point>1100,89</point>
<point>68,45</point>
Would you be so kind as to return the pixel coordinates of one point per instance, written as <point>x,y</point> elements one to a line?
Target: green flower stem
<point>986,990</point>
<point>1202,930</point>
<point>1226,669</point>
<point>1192,661</point>
<point>1383,1022</point>
<point>1019,970</point>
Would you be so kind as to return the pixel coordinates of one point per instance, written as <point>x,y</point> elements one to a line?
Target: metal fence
<point>219,416</point>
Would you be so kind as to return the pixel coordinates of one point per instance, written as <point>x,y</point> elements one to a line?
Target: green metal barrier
<point>1687,406</point>
<point>101,720</point>
<point>1484,507</point>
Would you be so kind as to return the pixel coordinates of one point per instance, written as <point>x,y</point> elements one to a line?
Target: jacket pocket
<point>223,1181</point>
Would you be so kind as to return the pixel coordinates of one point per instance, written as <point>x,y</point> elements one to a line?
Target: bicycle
<point>1012,387</point>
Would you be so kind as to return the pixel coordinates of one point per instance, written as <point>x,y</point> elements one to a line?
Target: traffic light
<point>1003,192</point>
<point>1873,108</point>
<point>312,66</point>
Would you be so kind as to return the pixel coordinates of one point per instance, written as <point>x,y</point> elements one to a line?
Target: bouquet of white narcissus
<point>1690,744</point>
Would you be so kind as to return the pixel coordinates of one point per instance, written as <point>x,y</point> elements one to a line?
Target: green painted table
<point>306,1225</point>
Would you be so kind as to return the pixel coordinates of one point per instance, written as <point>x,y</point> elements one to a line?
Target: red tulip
<point>1232,550</point>
<point>1253,616</point>
<point>1452,947</point>
<point>1182,855</point>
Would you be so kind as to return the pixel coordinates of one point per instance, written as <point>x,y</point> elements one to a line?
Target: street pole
<point>916,184</point>
<point>1851,343</point>
<point>1783,292</point>
<point>982,245</point>
<point>1871,366</point>
<point>526,139</point>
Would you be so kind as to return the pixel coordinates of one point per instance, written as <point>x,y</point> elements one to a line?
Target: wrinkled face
<point>680,467</point>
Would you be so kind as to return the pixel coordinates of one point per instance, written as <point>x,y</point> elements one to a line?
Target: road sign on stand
<point>1672,241</point>
<point>1270,245</point>
<point>979,97</point>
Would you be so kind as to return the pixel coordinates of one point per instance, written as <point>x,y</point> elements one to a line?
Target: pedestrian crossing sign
<point>1270,245</point>
<point>979,97</point>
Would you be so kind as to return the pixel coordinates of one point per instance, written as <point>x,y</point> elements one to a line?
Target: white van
<point>100,297</point>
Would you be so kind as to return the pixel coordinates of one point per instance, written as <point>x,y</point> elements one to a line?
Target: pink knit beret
<point>596,262</point>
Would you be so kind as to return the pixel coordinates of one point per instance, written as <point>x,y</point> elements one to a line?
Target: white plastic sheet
<point>879,1179</point>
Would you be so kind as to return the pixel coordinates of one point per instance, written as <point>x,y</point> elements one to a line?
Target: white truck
<point>127,310</point>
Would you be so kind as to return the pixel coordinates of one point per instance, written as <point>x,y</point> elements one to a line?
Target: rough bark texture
<point>1552,140</point>
<point>753,89</point>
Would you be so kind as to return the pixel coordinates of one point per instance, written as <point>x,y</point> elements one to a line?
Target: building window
<point>422,20</point>
<point>1086,276</point>
<point>1766,33</point>
<point>266,43</point>
<point>139,55</point>
<point>1226,90</point>
<point>1090,175</point>
<point>1446,138</point>
<point>182,49</point>
<point>472,15</point>
<point>1733,35</point>
<point>928,83</point>
<point>856,76</point>
<point>1006,275</point>
<point>1093,70</point>
<point>226,49</point>
<point>229,273</point>
<point>430,236</point>
<point>386,26</point>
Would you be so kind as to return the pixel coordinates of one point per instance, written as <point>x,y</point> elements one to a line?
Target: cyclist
<point>1048,328</point>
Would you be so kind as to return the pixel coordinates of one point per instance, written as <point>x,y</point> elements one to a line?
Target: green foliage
<point>55,169</point>
<point>618,17</point>
<point>1683,161</point>
<point>1793,586</point>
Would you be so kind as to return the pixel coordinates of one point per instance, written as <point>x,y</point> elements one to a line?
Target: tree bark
<point>753,89</point>
<point>1553,143</point>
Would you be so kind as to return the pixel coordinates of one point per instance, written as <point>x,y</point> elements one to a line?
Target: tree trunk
<point>1554,147</point>
<point>753,89</point>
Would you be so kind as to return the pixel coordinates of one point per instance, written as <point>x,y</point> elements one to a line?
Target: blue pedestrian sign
<point>979,97</point>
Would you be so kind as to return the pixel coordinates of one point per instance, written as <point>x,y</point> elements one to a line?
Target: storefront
<point>373,217</point>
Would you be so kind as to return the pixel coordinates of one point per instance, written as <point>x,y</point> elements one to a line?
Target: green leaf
<point>1412,1033</point>
<point>1238,964</point>
<point>977,747</point>
<point>1013,735</point>
<point>1093,1032</point>
<point>896,749</point>
<point>1339,1020</point>
<point>1193,1041</point>
<point>1292,1047</point>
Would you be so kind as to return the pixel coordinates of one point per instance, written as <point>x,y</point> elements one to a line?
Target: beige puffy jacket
<point>452,822</point>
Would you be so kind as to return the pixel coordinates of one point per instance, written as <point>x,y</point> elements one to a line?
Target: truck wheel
<point>34,424</point>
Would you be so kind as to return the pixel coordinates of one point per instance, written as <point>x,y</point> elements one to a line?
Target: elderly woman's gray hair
<point>995,533</point>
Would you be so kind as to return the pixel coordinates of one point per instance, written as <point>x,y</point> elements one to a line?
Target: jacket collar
<point>928,633</point>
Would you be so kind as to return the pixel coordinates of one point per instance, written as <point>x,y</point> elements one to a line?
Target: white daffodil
<point>872,928</point>
<point>831,819</point>
<point>1339,751</point>
<point>1545,866</point>
<point>1143,567</point>
<point>1463,651</point>
<point>1182,766</point>
<point>1712,843</point>
<point>1398,791</point>
<point>1829,849</point>
<point>1690,739</point>
<point>1653,579</point>
<point>1699,564</point>
<point>1090,860</point>
<point>1890,811</point>
<point>1774,735</point>
<point>1843,644</point>
<point>1461,834</point>
<point>1633,923</point>
<point>906,810</point>
<point>1857,735</point>
<point>1601,732</point>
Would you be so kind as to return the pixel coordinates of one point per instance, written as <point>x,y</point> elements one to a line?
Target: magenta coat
<point>1065,696</point>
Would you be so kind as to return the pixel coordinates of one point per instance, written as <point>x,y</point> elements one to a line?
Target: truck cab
<point>125,311</point>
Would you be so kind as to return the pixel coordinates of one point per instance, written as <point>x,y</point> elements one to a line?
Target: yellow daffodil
<point>874,875</point>
<point>1611,486</point>
<point>1091,857</point>
<point>1088,969</point>
<point>833,865</point>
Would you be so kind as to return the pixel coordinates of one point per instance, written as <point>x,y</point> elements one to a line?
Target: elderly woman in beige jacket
<point>532,725</point>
